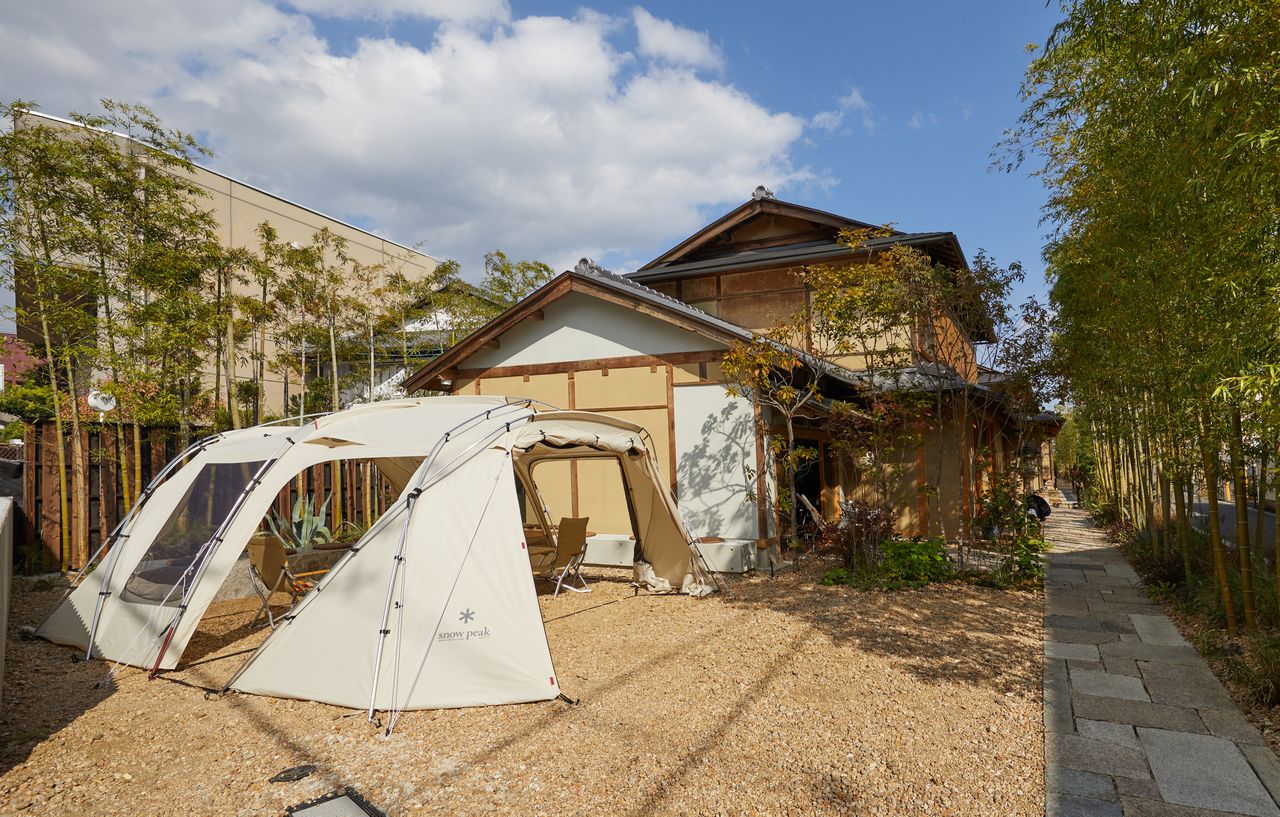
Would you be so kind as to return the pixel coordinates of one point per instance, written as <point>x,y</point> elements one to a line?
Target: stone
<point>1116,665</point>
<point>1105,730</point>
<point>1157,630</point>
<point>1265,766</point>
<point>1190,685</point>
<point>1057,575</point>
<point>1114,622</point>
<point>1079,652</point>
<point>1145,807</point>
<point>1127,595</point>
<point>1072,623</point>
<point>1128,787</point>
<point>1151,652</point>
<point>1061,780</point>
<point>1122,570</point>
<point>1107,580</point>
<point>1205,772</point>
<point>1063,636</point>
<point>1066,606</point>
<point>1057,698</point>
<point>1064,805</point>
<point>1137,713</point>
<point>1230,724</point>
<point>1110,686</point>
<point>1105,606</point>
<point>1100,757</point>
<point>1085,666</point>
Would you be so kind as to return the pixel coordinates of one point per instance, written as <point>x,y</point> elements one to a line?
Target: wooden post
<point>50,516</point>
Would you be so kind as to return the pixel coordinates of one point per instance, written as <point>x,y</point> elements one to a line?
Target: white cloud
<point>921,119</point>
<point>827,120</point>
<point>452,10</point>
<point>667,41</point>
<point>854,101</point>
<point>539,136</point>
<point>851,103</point>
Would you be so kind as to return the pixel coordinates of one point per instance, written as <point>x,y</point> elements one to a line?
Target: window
<point>206,505</point>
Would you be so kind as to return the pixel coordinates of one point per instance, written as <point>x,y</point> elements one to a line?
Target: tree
<point>506,281</point>
<point>783,386</point>
<point>1155,126</point>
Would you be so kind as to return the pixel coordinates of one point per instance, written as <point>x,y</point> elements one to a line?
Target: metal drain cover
<point>345,803</point>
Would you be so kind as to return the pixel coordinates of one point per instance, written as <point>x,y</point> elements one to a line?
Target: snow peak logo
<point>466,616</point>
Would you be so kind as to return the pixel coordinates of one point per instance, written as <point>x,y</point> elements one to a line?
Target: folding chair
<point>570,550</point>
<point>268,564</point>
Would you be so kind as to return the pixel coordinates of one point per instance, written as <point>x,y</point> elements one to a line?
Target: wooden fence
<point>40,528</point>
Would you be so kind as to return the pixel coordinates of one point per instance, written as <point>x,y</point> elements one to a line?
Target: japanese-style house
<point>647,346</point>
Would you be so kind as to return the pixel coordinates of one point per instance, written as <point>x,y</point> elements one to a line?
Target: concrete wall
<point>239,208</point>
<point>580,327</point>
<point>6,576</point>
<point>716,462</point>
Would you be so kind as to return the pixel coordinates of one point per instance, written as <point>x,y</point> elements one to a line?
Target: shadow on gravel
<point>45,688</point>
<point>943,633</point>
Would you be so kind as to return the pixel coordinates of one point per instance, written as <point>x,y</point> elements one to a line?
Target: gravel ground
<point>779,697</point>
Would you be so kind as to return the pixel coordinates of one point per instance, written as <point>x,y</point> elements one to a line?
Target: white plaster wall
<point>6,574</point>
<point>580,327</point>
<point>715,461</point>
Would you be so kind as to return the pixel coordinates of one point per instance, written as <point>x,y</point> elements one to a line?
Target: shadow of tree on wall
<point>714,475</point>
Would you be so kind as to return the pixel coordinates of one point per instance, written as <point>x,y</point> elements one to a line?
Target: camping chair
<point>268,564</point>
<point>570,550</point>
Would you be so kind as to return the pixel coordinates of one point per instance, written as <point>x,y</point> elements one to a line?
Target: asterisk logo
<point>466,615</point>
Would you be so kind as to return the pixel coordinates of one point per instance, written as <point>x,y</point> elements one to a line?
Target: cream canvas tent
<point>434,607</point>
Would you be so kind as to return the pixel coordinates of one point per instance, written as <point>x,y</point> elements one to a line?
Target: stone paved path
<point>1135,723</point>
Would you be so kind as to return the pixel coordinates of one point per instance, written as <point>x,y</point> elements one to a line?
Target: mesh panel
<point>208,501</point>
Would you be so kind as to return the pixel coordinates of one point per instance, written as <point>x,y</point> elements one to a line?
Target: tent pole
<point>411,497</point>
<point>117,533</point>
<point>383,521</point>
<point>202,558</point>
<point>426,651</point>
<point>383,632</point>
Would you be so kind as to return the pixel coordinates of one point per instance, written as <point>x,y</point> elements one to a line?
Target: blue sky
<point>554,130</point>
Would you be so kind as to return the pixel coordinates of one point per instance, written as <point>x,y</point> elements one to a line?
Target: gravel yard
<point>779,697</point>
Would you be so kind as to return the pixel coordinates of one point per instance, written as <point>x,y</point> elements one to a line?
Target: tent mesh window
<point>345,803</point>
<point>208,501</point>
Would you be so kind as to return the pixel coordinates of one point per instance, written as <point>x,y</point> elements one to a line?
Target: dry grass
<point>779,697</point>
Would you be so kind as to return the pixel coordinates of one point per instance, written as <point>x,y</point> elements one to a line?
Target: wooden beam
<point>495,328</point>
<point>593,364</point>
<point>671,425</point>
<point>493,343</point>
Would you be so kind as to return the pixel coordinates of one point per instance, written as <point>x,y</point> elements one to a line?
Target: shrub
<point>858,535</point>
<point>1263,673</point>
<point>1023,561</point>
<point>914,562</point>
<point>836,576</point>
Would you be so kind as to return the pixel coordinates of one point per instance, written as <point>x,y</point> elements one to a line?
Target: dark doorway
<point>808,484</point>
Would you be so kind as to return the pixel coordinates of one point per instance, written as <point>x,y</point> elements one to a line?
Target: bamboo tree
<point>42,181</point>
<point>1243,549</point>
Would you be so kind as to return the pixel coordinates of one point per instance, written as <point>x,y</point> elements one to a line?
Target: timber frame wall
<point>640,388</point>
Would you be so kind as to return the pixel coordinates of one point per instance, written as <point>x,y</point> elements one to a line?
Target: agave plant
<point>305,528</point>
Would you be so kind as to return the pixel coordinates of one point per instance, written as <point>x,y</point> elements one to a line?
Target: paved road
<point>1227,516</point>
<point>1135,722</point>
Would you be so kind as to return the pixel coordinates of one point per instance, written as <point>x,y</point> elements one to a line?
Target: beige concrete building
<point>239,208</point>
